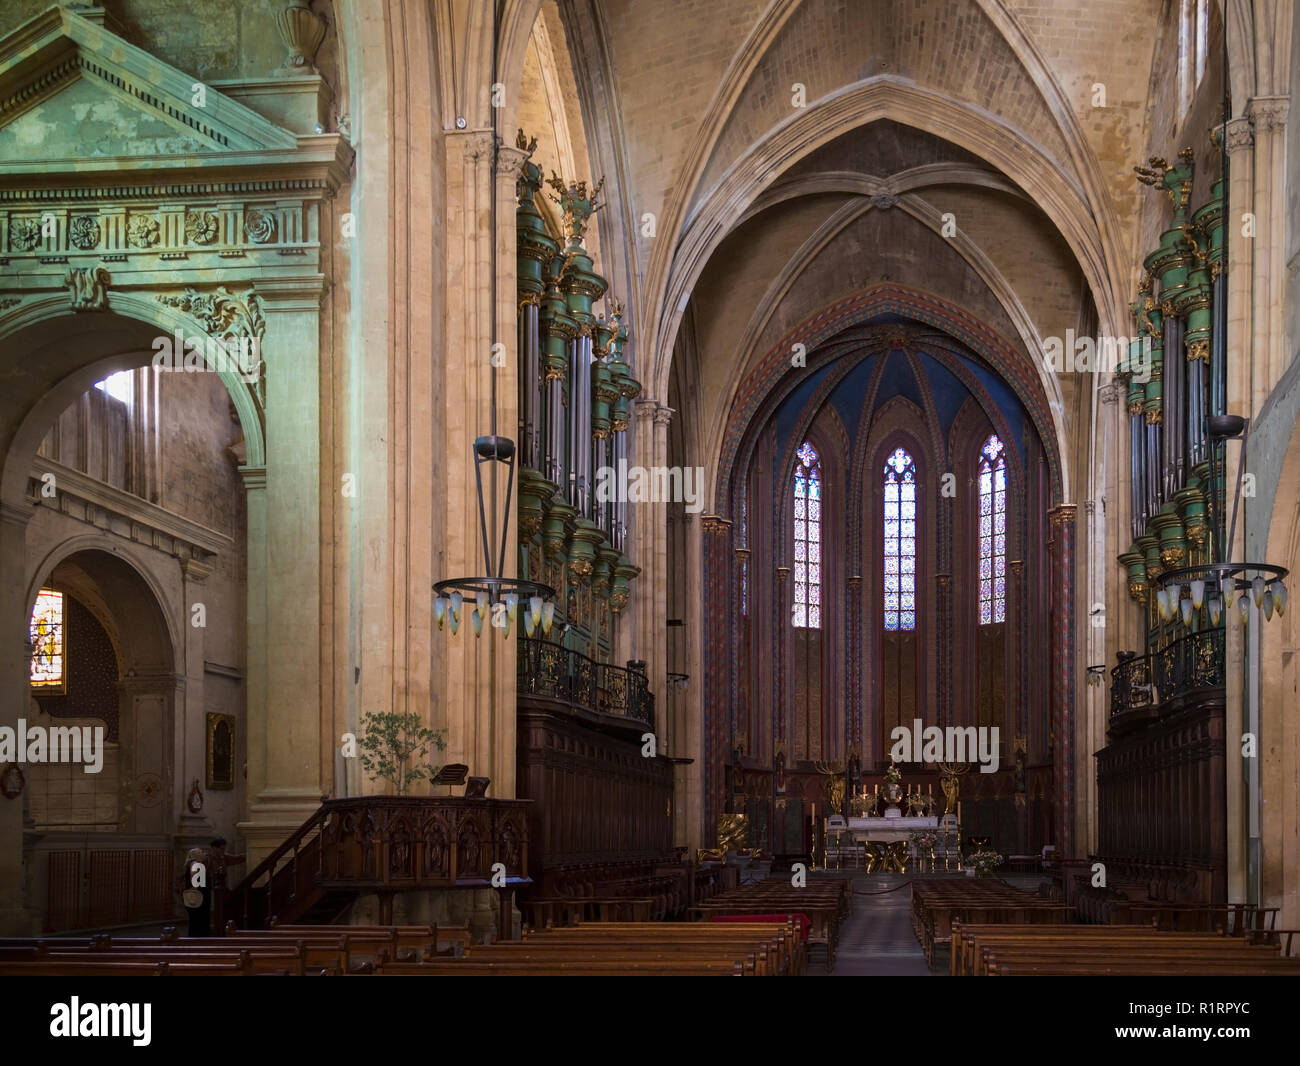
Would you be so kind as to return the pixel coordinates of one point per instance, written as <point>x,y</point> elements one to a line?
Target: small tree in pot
<point>395,747</point>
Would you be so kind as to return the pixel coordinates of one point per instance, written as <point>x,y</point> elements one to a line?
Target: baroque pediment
<point>70,89</point>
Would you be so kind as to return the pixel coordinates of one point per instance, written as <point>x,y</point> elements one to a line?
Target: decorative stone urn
<point>302,31</point>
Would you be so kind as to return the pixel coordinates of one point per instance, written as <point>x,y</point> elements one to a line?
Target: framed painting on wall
<point>221,751</point>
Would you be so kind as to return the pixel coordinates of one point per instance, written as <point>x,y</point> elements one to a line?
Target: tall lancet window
<point>993,532</point>
<point>807,538</point>
<point>900,541</point>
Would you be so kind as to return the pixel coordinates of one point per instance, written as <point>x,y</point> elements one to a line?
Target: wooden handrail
<point>385,844</point>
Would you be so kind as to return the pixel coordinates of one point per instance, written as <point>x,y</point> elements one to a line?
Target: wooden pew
<point>628,948</point>
<point>1005,950</point>
<point>938,903</point>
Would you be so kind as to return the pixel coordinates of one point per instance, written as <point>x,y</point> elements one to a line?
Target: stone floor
<point>877,940</point>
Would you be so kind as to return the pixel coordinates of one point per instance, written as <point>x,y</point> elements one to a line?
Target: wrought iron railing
<point>559,673</point>
<point>1193,662</point>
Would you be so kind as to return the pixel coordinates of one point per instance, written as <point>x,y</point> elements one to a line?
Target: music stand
<point>451,774</point>
<point>477,787</point>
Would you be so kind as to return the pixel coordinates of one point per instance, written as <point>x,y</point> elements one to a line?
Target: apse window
<point>993,532</point>
<point>807,538</point>
<point>49,653</point>
<point>900,541</point>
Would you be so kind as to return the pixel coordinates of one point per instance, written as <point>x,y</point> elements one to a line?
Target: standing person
<point>196,892</point>
<point>217,874</point>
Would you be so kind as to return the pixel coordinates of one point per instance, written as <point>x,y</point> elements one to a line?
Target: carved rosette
<point>142,231</point>
<point>200,227</point>
<point>259,225</point>
<point>83,232</point>
<point>24,234</point>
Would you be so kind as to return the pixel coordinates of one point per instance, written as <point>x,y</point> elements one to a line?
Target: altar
<point>887,843</point>
<point>884,828</point>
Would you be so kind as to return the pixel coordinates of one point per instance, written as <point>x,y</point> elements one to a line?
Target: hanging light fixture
<point>1259,581</point>
<point>496,597</point>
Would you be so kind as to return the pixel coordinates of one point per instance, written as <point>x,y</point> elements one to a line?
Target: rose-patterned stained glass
<point>48,651</point>
<point>993,526</point>
<point>807,538</point>
<point>900,541</point>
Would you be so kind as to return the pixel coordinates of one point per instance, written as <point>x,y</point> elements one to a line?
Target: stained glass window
<point>993,532</point>
<point>807,538</point>
<point>48,653</point>
<point>900,541</point>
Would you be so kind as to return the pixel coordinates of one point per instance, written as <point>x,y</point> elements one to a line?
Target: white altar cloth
<point>883,829</point>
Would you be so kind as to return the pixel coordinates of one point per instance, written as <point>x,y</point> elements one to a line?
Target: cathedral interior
<point>516,466</point>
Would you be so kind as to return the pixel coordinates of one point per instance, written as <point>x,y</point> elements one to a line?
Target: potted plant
<point>395,747</point>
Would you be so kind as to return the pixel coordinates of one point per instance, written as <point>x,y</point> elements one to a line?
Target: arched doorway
<point>124,513</point>
<point>102,829</point>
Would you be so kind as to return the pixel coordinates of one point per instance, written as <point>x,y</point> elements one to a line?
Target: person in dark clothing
<point>217,867</point>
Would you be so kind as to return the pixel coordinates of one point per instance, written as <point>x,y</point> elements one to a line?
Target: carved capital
<point>1268,112</point>
<point>1239,134</point>
<point>715,525</point>
<point>1112,391</point>
<point>663,415</point>
<point>510,161</point>
<point>782,574</point>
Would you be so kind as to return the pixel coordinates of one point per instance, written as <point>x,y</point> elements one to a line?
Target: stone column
<point>689,777</point>
<point>16,918</point>
<point>475,677</point>
<point>654,647</point>
<point>1062,523</point>
<point>853,720</point>
<point>943,621</point>
<point>644,520</point>
<point>716,639</point>
<point>1240,142</point>
<point>190,736</point>
<point>294,767</point>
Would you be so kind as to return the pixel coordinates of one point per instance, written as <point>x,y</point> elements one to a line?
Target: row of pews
<point>938,904</point>
<point>621,892</point>
<point>819,907</point>
<point>626,949</point>
<point>292,950</point>
<point>609,949</point>
<point>1098,950</point>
